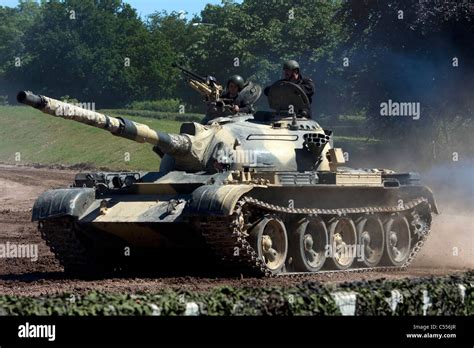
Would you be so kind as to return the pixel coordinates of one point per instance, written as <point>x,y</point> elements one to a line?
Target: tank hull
<point>210,216</point>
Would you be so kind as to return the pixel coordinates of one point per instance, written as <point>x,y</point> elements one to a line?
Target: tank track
<point>73,251</point>
<point>61,238</point>
<point>226,236</point>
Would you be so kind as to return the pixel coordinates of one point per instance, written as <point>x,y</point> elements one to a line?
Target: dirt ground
<point>449,249</point>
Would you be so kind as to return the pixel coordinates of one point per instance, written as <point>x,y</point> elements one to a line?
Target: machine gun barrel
<point>189,73</point>
<point>173,144</point>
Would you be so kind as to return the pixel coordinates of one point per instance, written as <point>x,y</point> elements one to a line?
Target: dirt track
<point>19,186</point>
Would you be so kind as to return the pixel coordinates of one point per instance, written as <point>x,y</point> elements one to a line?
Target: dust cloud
<point>451,242</point>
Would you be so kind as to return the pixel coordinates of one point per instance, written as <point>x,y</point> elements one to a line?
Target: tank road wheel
<point>398,240</point>
<point>307,249</point>
<point>371,240</point>
<point>342,238</point>
<point>269,240</point>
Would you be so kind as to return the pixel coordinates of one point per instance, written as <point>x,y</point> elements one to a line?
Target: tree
<point>98,51</point>
<point>13,24</point>
<point>413,52</point>
<point>255,37</point>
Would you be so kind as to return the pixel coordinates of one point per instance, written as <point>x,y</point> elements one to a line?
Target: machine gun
<point>211,90</point>
<point>207,86</point>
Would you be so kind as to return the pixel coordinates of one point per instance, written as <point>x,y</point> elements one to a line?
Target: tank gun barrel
<point>173,144</point>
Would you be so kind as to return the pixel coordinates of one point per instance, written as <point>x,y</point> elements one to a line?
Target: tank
<point>263,195</point>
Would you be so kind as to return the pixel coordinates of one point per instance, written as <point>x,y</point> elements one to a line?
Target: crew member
<point>291,73</point>
<point>234,85</point>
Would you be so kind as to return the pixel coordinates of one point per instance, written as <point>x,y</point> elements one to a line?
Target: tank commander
<point>291,72</point>
<point>230,100</point>
<point>235,84</point>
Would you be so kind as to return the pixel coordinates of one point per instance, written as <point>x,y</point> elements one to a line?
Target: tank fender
<point>217,200</point>
<point>62,202</point>
<point>421,191</point>
<point>427,192</point>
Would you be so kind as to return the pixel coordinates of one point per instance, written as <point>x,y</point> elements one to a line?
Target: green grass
<point>187,117</point>
<point>350,139</point>
<point>355,119</point>
<point>40,138</point>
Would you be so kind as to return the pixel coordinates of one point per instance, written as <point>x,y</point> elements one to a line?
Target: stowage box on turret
<point>267,194</point>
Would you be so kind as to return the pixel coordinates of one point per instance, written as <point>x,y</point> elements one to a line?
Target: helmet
<point>291,65</point>
<point>238,80</point>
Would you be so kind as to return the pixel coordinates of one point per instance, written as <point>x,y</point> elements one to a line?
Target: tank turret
<point>284,143</point>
